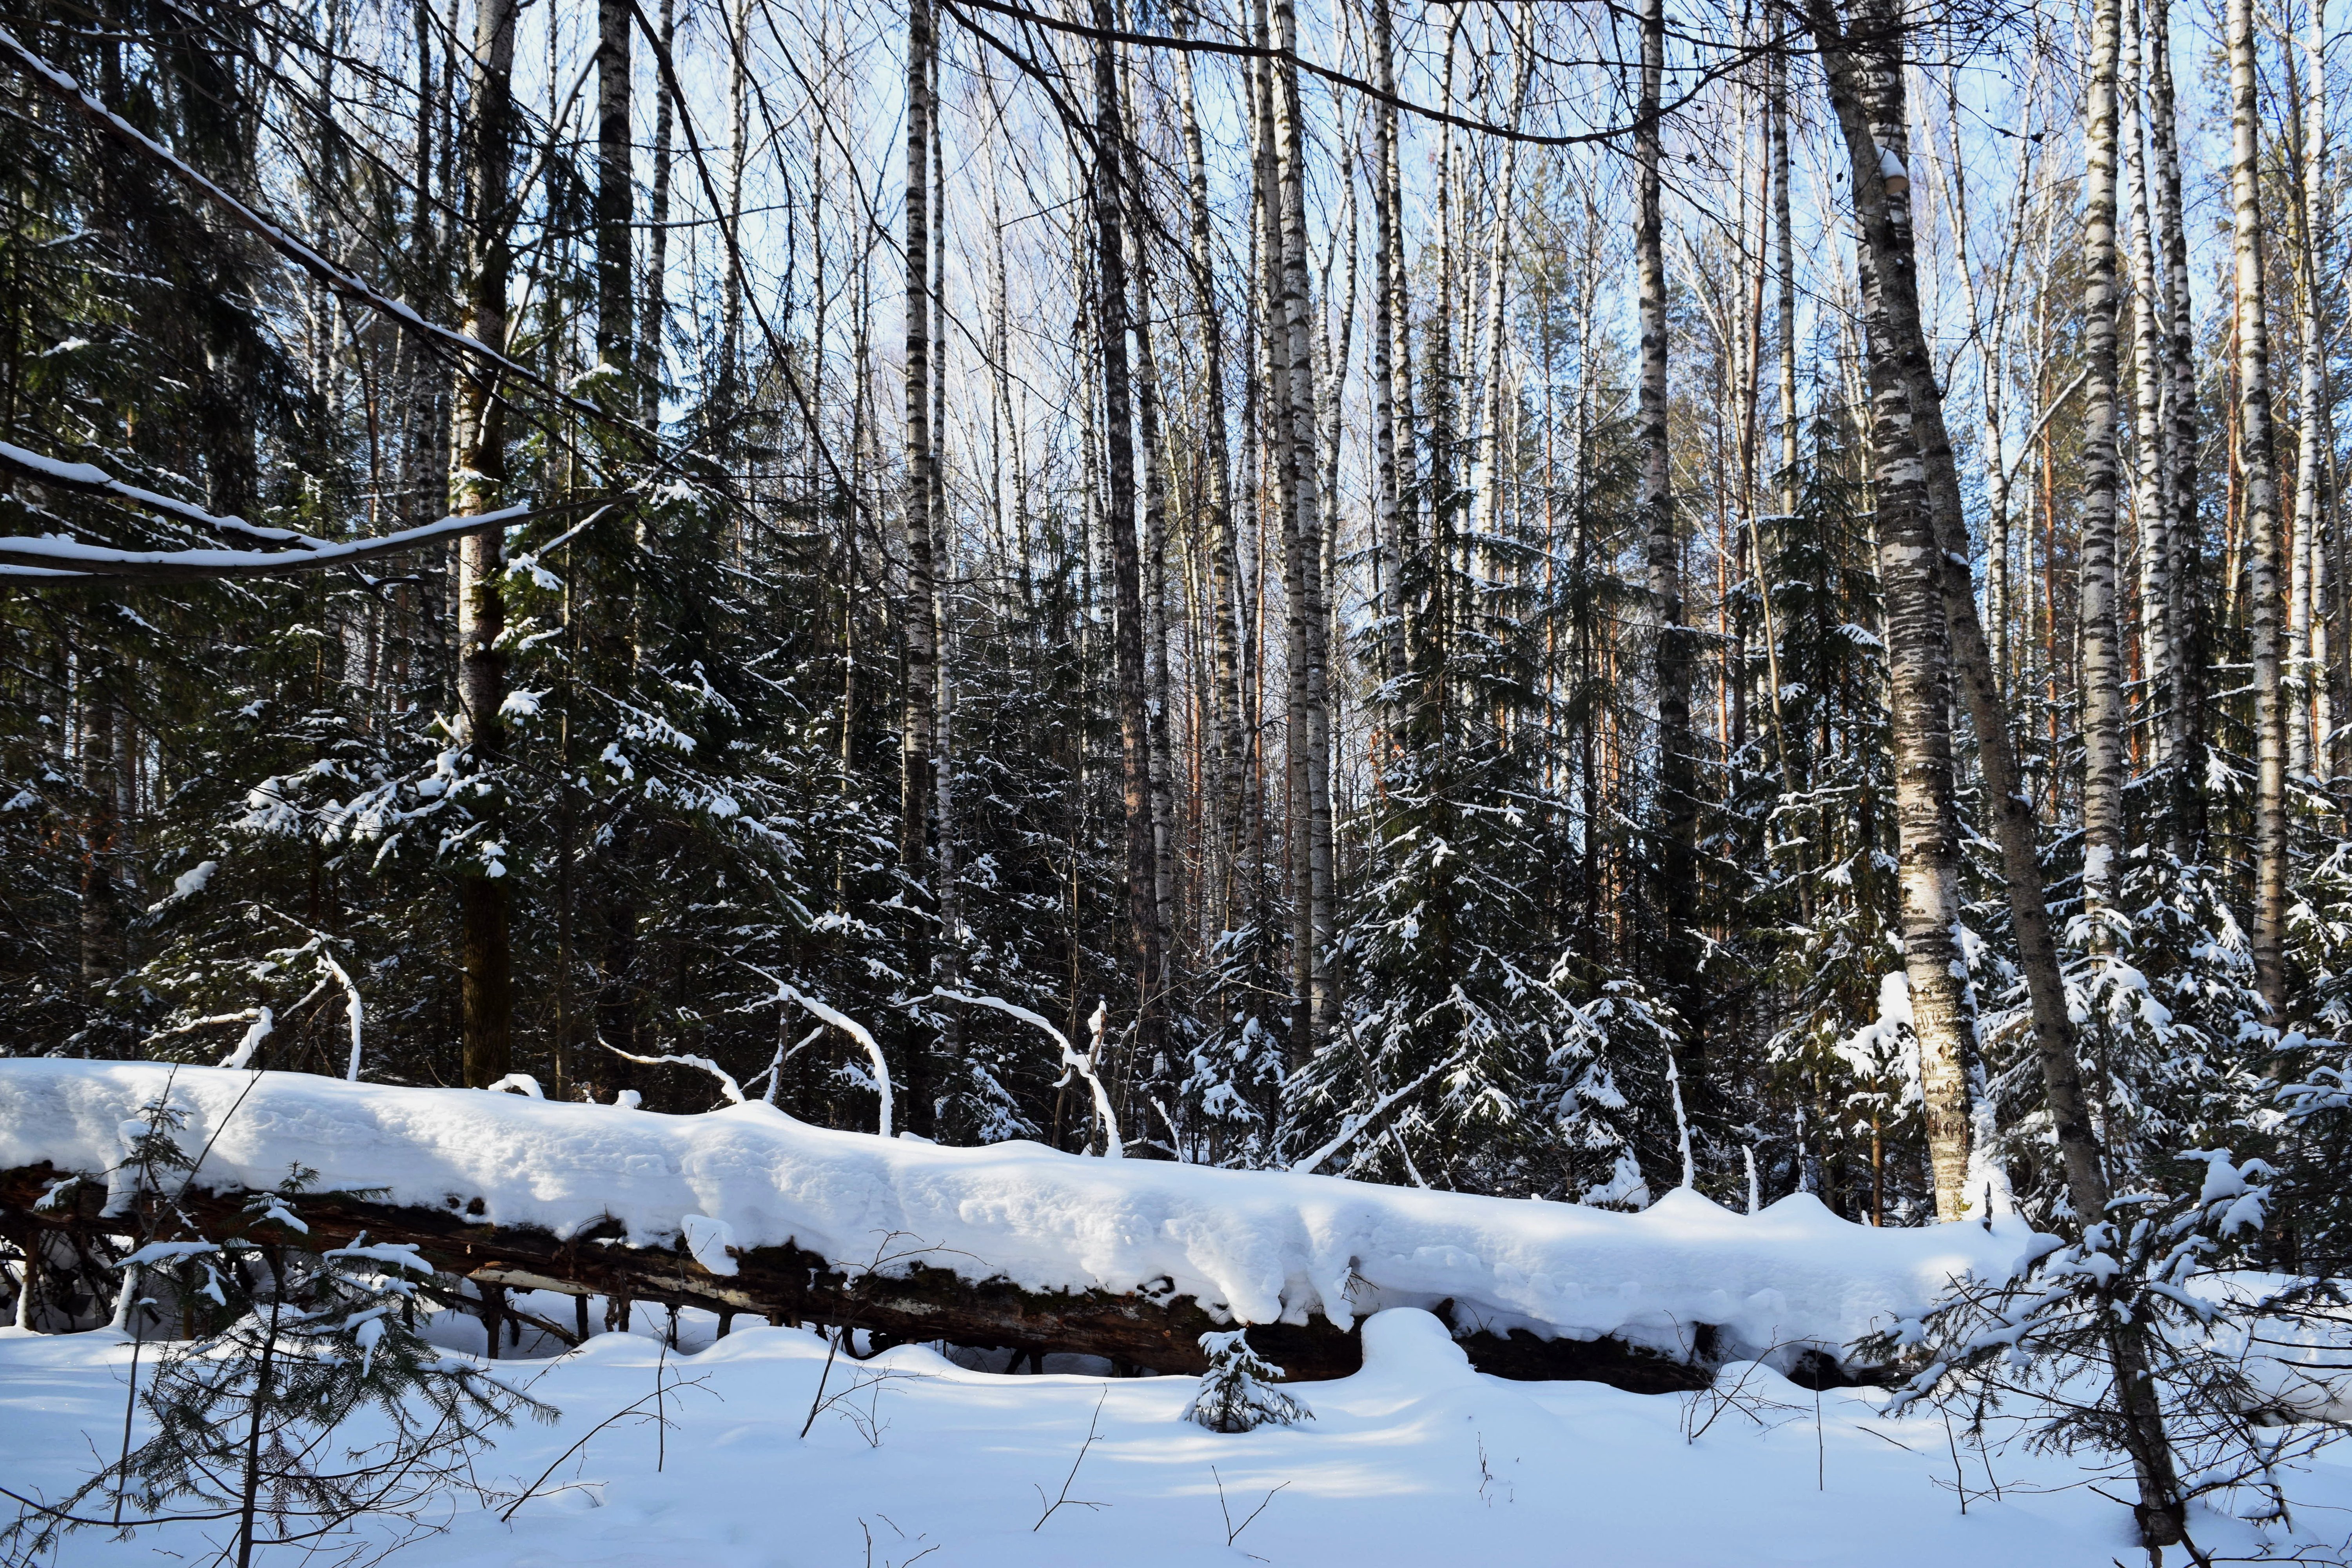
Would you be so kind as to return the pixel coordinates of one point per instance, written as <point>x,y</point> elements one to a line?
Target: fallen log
<point>745,1209</point>
<point>893,1300</point>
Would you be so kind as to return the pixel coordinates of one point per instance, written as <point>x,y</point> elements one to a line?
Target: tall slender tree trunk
<point>1676,807</point>
<point>2184,702</point>
<point>2307,633</point>
<point>476,483</point>
<point>1919,662</point>
<point>101,832</point>
<point>656,323</point>
<point>1386,288</point>
<point>2257,461</point>
<point>1785,289</point>
<point>2149,431</point>
<point>918,735</point>
<point>1227,751</point>
<point>1289,358</point>
<point>2101,625</point>
<point>1127,579</point>
<point>730,285</point>
<point>1298,325</point>
<point>615,188</point>
<point>1862,61</point>
<point>1488,494</point>
<point>1157,482</point>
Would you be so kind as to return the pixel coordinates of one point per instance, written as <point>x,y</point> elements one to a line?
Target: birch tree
<point>476,483</point>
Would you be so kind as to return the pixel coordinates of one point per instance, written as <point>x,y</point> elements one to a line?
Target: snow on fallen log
<point>1685,1278</point>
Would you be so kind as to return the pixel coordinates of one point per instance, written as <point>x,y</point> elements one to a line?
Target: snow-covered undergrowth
<point>1416,1459</point>
<point>1259,1246</point>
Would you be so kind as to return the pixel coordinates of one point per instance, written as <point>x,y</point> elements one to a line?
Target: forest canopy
<point>1541,600</point>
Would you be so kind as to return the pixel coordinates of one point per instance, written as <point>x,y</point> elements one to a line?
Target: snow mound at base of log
<point>1255,1247</point>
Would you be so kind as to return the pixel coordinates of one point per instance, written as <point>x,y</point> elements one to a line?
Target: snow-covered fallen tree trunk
<point>746,1209</point>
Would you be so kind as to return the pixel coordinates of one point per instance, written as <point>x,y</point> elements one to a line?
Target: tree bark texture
<point>2100,621</point>
<point>477,479</point>
<point>2257,448</point>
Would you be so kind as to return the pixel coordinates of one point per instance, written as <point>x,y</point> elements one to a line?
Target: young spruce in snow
<point>250,1414</point>
<point>1235,1394</point>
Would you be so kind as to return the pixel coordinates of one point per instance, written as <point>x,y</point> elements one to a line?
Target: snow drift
<point>1251,1246</point>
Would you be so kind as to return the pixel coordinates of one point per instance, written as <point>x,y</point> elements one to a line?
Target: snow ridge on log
<point>1685,1278</point>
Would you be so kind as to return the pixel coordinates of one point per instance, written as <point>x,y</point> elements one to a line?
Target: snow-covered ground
<point>1416,1459</point>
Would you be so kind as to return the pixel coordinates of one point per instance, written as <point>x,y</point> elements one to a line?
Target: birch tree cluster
<point>1546,600</point>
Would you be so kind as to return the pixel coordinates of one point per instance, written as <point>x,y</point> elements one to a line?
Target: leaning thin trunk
<point>1865,81</point>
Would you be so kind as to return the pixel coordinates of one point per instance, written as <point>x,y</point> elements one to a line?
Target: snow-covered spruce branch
<point>787,992</point>
<point>90,479</point>
<point>1072,1062</point>
<point>1357,1123</point>
<point>55,560</point>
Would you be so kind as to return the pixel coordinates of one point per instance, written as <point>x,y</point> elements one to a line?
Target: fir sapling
<point>1236,1393</point>
<point>304,1408</point>
<point>2164,1273</point>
